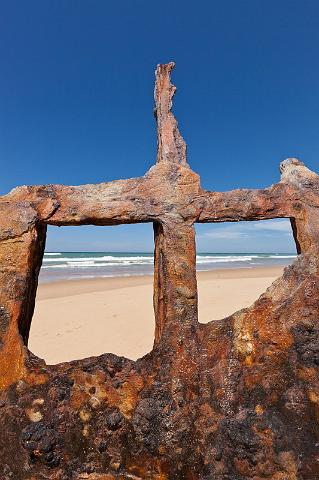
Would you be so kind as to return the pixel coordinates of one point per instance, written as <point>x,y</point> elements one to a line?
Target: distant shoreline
<point>79,286</point>
<point>62,266</point>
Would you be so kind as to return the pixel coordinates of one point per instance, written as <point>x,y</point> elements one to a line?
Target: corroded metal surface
<point>234,399</point>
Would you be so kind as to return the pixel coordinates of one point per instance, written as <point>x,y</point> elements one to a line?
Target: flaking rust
<point>233,399</point>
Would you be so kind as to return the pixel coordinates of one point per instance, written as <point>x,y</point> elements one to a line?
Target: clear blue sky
<point>76,100</point>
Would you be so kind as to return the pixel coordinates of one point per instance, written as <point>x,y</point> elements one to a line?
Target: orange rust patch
<point>307,373</point>
<point>259,410</point>
<point>313,396</point>
<point>125,398</point>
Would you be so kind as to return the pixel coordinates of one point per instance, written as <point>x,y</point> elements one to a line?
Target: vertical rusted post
<point>175,286</point>
<point>159,299</point>
<point>305,225</point>
<point>20,260</point>
<point>171,146</point>
<point>175,289</point>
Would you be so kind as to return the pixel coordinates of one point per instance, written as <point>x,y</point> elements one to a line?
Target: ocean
<point>77,265</point>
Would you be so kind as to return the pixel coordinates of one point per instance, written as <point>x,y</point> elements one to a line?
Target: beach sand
<point>82,318</point>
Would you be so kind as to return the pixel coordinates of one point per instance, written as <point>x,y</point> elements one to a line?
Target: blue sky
<point>76,100</point>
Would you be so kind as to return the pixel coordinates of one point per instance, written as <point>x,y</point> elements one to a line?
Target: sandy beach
<point>80,318</point>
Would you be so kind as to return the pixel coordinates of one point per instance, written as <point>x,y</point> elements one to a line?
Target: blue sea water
<point>77,265</point>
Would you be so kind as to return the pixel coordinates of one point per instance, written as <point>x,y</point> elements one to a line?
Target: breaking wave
<point>68,265</point>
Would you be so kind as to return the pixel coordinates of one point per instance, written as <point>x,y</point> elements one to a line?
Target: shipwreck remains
<point>233,399</point>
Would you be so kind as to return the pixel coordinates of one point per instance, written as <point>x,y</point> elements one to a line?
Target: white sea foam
<point>100,259</point>
<point>282,256</point>
<point>150,259</point>
<point>65,265</point>
<point>109,264</point>
<point>67,262</point>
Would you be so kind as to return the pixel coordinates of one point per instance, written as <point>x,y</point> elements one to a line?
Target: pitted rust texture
<point>234,399</point>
